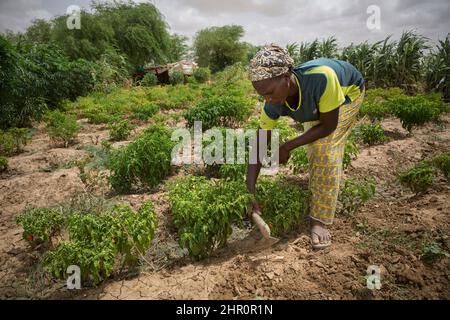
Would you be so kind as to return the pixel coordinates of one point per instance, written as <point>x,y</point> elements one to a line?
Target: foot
<point>320,236</point>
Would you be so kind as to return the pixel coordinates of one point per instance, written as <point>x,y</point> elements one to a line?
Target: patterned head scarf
<point>270,62</point>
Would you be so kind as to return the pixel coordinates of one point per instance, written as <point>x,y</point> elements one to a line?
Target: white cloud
<point>269,20</point>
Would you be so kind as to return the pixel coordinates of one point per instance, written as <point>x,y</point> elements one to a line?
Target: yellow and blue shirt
<point>324,85</point>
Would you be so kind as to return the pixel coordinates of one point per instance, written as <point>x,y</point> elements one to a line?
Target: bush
<point>6,144</point>
<point>286,132</point>
<point>97,116</point>
<point>415,111</point>
<point>355,192</point>
<point>61,126</point>
<point>3,164</point>
<point>235,172</point>
<point>372,134</point>
<point>40,224</point>
<point>191,80</point>
<point>119,129</point>
<point>218,111</point>
<point>375,104</point>
<point>176,77</point>
<point>38,76</point>
<point>298,160</point>
<point>418,178</point>
<point>375,111</point>
<point>350,151</point>
<point>96,240</point>
<point>20,98</point>
<point>112,71</point>
<point>146,111</point>
<point>283,205</point>
<point>149,80</point>
<point>101,108</point>
<point>144,162</point>
<point>201,74</point>
<point>204,211</point>
<point>95,263</point>
<point>13,140</point>
<point>442,162</point>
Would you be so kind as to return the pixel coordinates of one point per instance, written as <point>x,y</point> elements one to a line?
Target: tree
<point>251,51</point>
<point>89,42</point>
<point>219,47</point>
<point>178,47</point>
<point>136,30</point>
<point>139,31</point>
<point>40,31</point>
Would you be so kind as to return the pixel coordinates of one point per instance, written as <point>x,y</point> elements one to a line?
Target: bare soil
<point>389,231</point>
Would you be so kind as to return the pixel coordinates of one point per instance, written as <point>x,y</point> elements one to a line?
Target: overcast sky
<point>265,21</point>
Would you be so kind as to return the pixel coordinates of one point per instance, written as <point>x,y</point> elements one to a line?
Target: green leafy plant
<point>201,74</point>
<point>20,138</point>
<point>61,126</point>
<point>229,171</point>
<point>99,240</point>
<point>149,80</point>
<point>433,252</point>
<point>437,66</point>
<point>176,77</point>
<point>119,129</point>
<point>13,140</point>
<point>100,107</point>
<point>6,143</point>
<point>283,204</point>
<point>372,134</point>
<point>375,105</point>
<point>415,111</point>
<point>298,160</point>
<point>142,163</point>
<point>95,263</point>
<point>3,164</point>
<point>232,171</point>
<point>418,178</point>
<point>146,111</point>
<point>350,151</point>
<point>442,162</point>
<point>97,116</point>
<point>218,111</point>
<point>204,211</point>
<point>40,224</point>
<point>355,192</point>
<point>375,111</point>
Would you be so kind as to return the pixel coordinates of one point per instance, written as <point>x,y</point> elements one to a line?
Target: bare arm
<point>328,123</point>
<point>254,169</point>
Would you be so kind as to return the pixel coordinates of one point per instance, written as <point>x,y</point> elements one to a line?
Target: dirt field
<point>389,231</point>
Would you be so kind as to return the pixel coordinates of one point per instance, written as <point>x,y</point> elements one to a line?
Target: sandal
<point>319,246</point>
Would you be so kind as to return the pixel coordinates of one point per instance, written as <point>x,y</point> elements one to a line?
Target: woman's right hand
<point>254,208</point>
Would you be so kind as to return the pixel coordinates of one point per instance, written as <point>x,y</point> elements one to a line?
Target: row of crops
<point>105,239</point>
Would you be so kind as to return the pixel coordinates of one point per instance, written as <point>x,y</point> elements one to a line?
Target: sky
<point>266,21</point>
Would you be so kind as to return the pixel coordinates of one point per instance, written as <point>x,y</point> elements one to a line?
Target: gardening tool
<point>262,226</point>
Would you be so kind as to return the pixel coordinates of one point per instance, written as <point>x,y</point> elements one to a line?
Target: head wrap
<point>270,62</point>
